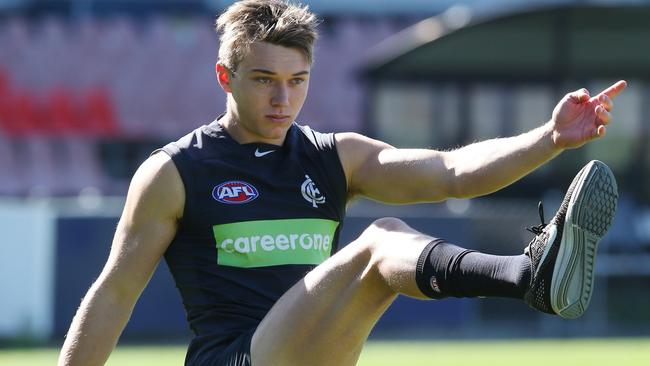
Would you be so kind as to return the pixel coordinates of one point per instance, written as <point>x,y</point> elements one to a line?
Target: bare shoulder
<point>157,188</point>
<point>353,138</point>
<point>154,205</point>
<point>355,146</point>
<point>357,154</point>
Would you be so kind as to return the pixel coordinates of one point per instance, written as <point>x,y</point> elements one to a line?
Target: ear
<point>223,76</point>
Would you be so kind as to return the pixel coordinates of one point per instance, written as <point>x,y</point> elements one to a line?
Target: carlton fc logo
<point>234,192</point>
<point>311,193</point>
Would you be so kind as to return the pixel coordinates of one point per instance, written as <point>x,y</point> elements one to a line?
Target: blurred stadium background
<point>88,88</point>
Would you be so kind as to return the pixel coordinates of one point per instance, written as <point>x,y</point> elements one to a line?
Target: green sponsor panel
<point>265,243</point>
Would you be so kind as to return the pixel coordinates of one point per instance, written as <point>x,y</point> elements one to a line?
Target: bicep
<point>148,224</point>
<point>384,173</point>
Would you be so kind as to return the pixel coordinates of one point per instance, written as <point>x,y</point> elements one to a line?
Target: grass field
<point>609,352</point>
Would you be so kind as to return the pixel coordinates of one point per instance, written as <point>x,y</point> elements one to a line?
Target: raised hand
<point>579,118</point>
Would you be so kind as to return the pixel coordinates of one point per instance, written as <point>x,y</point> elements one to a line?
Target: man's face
<point>268,90</point>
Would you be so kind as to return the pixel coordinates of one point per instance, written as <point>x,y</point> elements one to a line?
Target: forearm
<point>95,329</point>
<point>490,165</point>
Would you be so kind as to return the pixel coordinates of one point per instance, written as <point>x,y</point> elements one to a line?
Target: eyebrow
<point>268,72</point>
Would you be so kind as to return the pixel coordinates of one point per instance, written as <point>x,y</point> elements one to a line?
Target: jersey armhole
<point>340,169</point>
<point>326,142</point>
<point>180,161</point>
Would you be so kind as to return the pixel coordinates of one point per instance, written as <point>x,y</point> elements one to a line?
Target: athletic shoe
<point>563,252</point>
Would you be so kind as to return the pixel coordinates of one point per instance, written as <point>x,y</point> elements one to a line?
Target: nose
<point>280,95</point>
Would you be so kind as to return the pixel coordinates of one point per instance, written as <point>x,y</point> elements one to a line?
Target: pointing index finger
<point>615,89</point>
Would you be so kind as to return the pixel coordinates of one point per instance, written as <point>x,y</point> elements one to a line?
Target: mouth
<point>278,118</point>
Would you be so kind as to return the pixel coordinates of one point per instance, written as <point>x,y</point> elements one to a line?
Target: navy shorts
<point>237,353</point>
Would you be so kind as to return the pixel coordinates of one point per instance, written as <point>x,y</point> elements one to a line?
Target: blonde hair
<point>274,21</point>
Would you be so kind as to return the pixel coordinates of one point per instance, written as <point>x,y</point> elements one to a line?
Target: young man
<point>247,211</point>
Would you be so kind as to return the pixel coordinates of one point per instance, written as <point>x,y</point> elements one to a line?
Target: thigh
<point>326,317</point>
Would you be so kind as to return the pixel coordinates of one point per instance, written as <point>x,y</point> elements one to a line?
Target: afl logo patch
<point>234,192</point>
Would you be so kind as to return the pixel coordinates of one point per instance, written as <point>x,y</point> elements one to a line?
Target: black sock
<point>445,270</point>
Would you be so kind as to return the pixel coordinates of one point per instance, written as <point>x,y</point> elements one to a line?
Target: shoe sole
<point>589,216</point>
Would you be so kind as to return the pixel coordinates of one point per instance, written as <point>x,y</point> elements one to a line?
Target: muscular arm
<point>148,224</point>
<point>381,172</point>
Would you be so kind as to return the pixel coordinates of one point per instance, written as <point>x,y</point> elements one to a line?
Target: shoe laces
<point>539,228</point>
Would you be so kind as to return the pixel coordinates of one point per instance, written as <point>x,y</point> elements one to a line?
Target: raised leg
<point>325,318</point>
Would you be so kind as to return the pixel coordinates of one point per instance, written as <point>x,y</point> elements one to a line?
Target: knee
<point>380,227</point>
<point>374,236</point>
<point>389,224</point>
<point>380,234</point>
<point>391,249</point>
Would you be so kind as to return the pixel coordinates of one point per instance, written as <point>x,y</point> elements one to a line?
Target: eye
<point>297,81</point>
<point>263,80</point>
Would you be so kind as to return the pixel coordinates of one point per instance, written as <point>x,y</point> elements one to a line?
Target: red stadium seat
<point>26,115</point>
<point>100,114</point>
<point>97,113</point>
<point>62,116</point>
<point>4,100</point>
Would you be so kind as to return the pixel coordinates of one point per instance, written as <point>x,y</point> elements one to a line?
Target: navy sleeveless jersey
<point>257,218</point>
